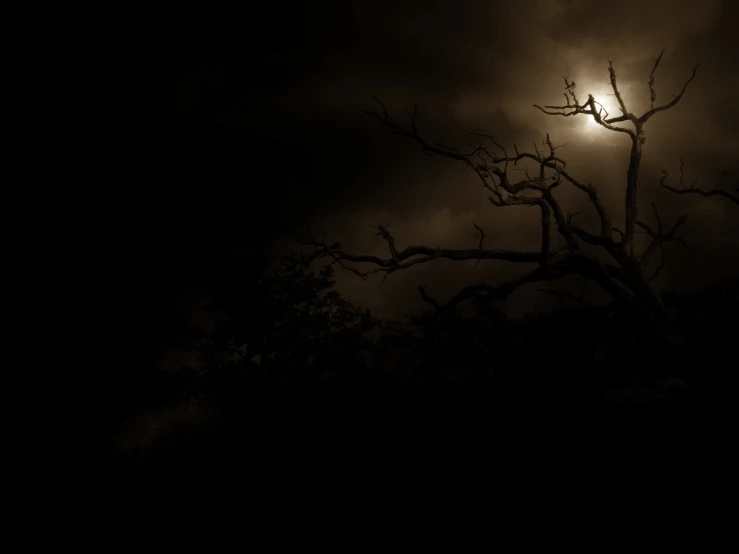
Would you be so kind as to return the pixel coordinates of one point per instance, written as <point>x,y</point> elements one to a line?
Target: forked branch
<point>410,256</point>
<point>596,110</point>
<point>637,135</point>
<point>491,168</point>
<point>683,188</point>
<point>645,117</point>
<point>659,239</point>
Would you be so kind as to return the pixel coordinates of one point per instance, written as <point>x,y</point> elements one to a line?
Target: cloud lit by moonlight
<point>605,101</point>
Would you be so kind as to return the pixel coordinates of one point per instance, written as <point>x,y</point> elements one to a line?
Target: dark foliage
<point>291,367</point>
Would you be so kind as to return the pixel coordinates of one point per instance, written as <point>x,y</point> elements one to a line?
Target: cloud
<point>479,66</point>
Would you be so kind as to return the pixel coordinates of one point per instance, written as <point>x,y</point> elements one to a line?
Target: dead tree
<point>622,272</point>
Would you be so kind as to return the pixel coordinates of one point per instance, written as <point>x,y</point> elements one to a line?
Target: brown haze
<point>480,66</point>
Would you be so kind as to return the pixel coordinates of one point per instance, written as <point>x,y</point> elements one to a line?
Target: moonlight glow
<point>606,102</point>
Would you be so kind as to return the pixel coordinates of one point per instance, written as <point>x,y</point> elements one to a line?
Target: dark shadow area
<point>290,372</point>
<point>220,355</point>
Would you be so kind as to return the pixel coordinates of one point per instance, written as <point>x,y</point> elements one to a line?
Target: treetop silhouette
<point>620,269</point>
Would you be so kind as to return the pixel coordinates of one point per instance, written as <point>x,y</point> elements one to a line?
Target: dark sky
<point>241,126</point>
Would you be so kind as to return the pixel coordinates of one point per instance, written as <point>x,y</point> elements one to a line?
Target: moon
<point>606,102</point>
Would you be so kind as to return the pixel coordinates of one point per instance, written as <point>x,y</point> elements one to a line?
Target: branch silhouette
<point>732,196</point>
<point>624,276</point>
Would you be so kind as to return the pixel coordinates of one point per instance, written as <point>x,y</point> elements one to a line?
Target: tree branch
<point>625,281</point>
<point>599,114</point>
<point>491,292</point>
<point>652,92</point>
<point>693,189</point>
<point>410,256</point>
<point>625,114</point>
<point>659,239</point>
<point>479,246</point>
<point>563,294</point>
<point>644,118</point>
<point>484,163</point>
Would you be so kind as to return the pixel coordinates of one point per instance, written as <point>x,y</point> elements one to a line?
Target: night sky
<point>239,127</point>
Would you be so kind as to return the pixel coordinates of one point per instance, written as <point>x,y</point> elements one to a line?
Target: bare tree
<point>624,274</point>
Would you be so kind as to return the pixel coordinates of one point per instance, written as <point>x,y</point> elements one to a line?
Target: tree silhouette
<point>280,327</point>
<point>287,351</point>
<point>619,268</point>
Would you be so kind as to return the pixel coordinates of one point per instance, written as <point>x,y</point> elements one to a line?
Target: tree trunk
<point>651,309</point>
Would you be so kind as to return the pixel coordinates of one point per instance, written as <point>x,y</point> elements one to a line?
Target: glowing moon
<point>606,102</point>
